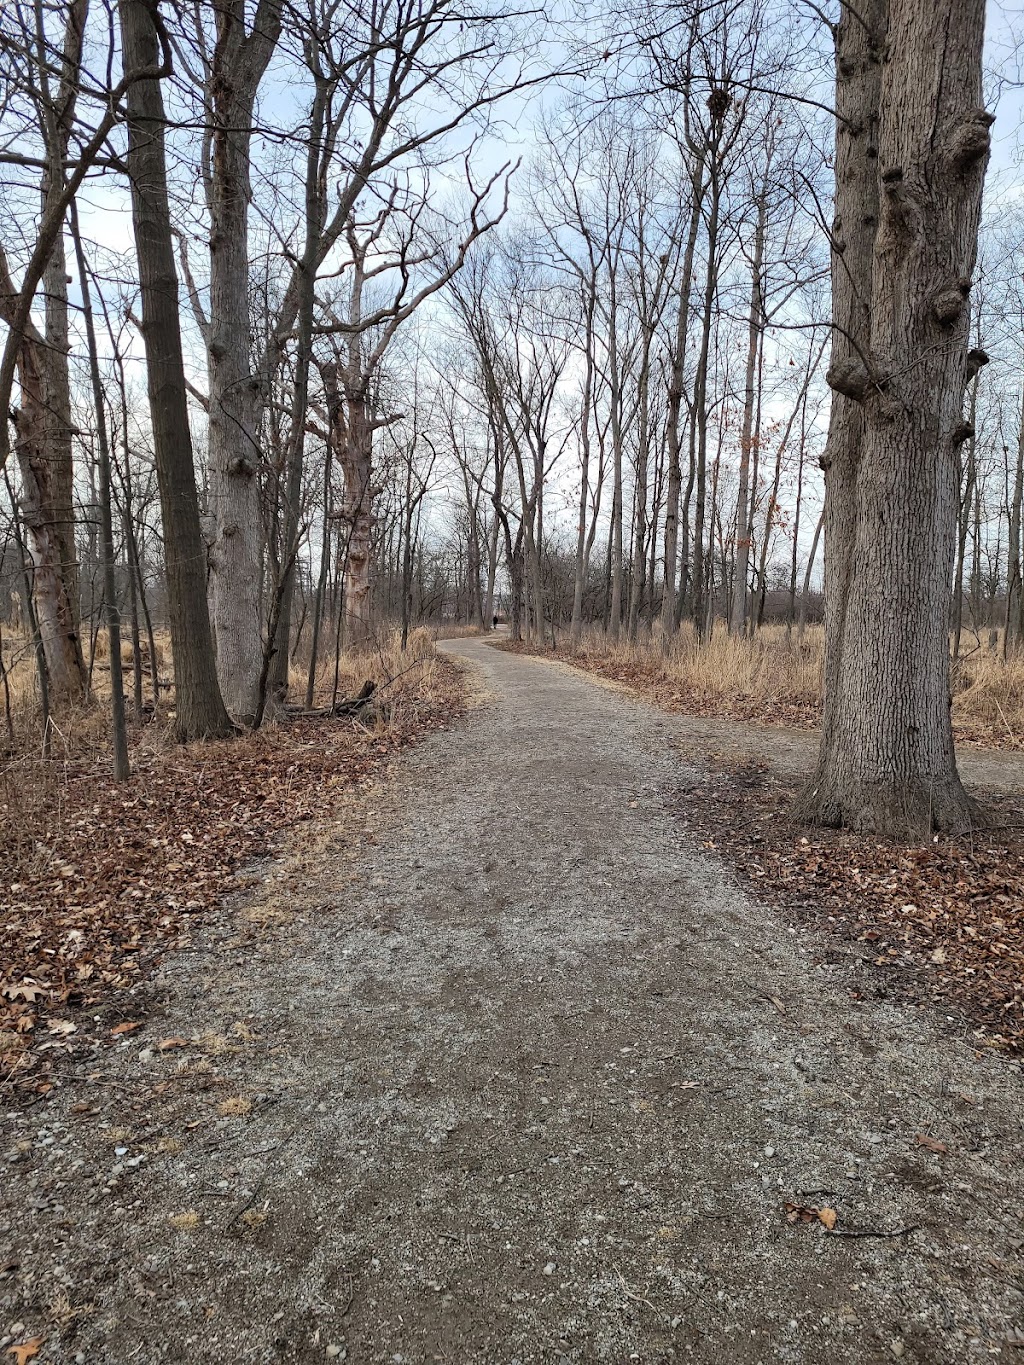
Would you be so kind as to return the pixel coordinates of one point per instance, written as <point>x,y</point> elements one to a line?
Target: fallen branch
<point>871,1232</point>
<point>348,706</point>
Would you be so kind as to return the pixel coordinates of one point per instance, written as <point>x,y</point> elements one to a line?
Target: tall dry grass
<point>407,680</point>
<point>725,676</point>
<point>79,732</point>
<point>778,677</point>
<point>988,696</point>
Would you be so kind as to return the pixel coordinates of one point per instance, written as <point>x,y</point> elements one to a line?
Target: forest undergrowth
<point>99,880</point>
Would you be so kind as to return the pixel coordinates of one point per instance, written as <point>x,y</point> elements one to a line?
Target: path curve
<point>534,1084</point>
<point>793,752</point>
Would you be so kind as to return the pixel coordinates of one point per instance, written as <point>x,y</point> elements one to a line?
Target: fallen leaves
<point>943,919</point>
<point>24,1352</point>
<point>932,1144</point>
<point>810,1213</point>
<point>100,879</point>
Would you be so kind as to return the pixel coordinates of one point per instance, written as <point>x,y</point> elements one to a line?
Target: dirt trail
<point>793,752</point>
<point>531,1080</point>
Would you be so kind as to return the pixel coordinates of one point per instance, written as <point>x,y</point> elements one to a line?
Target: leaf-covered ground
<point>941,922</point>
<point>100,880</point>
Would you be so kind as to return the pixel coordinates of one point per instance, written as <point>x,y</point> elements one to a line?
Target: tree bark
<point>582,556</point>
<point>119,734</point>
<point>67,668</point>
<point>904,249</point>
<point>675,405</point>
<point>700,409</point>
<point>755,322</point>
<point>1014,633</point>
<point>199,708</point>
<point>615,399</point>
<point>237,66</point>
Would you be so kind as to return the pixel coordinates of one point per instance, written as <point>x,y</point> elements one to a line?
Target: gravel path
<point>529,1079</point>
<point>793,752</point>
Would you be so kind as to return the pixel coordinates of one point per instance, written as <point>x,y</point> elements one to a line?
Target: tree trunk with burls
<point>55,484</point>
<point>199,708</point>
<point>912,146</point>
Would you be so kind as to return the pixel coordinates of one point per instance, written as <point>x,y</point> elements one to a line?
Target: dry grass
<point>238,1107</point>
<point>32,788</point>
<point>406,679</point>
<point>988,698</point>
<point>188,1221</point>
<point>773,679</point>
<point>79,732</point>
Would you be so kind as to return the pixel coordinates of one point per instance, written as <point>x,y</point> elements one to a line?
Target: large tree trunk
<point>45,453</point>
<point>615,398</point>
<point>67,669</point>
<point>237,66</point>
<point>912,69</point>
<point>582,555</point>
<point>641,474</point>
<point>55,485</point>
<point>111,610</point>
<point>199,709</point>
<point>700,409</point>
<point>536,551</point>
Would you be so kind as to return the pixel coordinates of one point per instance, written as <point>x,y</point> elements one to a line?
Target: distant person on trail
<point>495,623</point>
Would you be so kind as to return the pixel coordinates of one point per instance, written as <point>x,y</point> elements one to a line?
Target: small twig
<point>1002,717</point>
<point>871,1232</point>
<point>638,1298</point>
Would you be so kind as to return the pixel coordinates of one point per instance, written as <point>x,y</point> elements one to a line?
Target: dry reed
<point>778,677</point>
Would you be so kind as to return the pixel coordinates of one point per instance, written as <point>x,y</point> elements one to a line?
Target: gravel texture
<point>500,1067</point>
